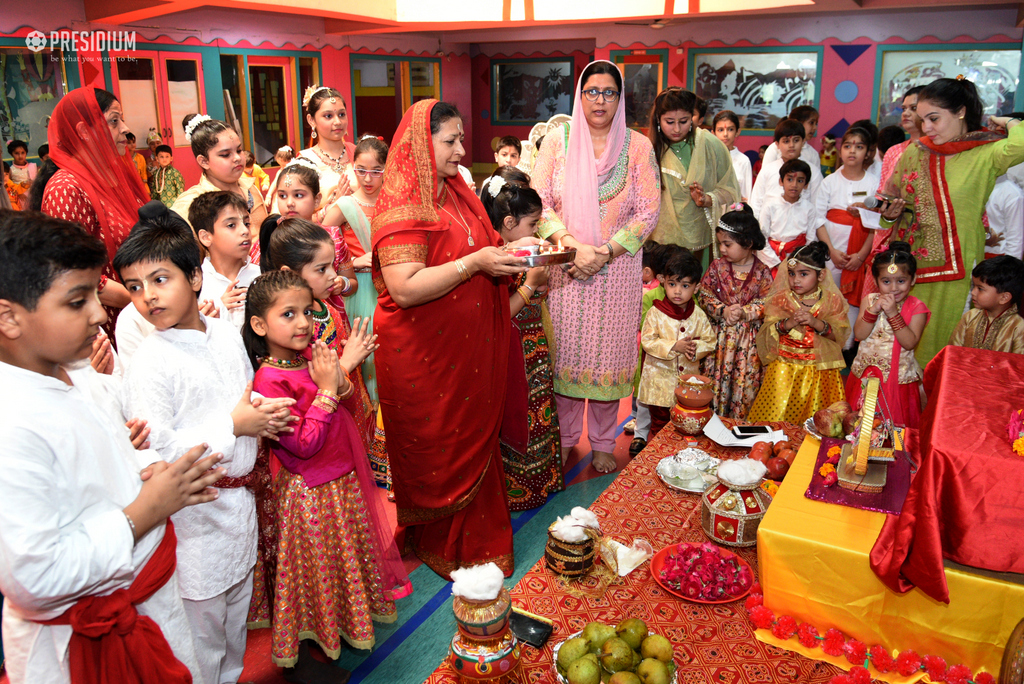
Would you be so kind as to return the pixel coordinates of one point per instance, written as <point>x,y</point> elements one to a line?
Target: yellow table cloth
<point>814,566</point>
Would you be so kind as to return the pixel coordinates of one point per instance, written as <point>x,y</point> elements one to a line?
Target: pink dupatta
<point>581,211</point>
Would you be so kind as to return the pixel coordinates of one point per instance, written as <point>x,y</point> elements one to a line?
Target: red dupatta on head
<point>80,144</point>
<point>408,197</point>
<point>932,234</point>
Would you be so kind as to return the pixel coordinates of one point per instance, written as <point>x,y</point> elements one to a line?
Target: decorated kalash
<point>483,649</point>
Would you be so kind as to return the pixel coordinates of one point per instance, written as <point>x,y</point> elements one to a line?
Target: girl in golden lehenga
<point>801,340</point>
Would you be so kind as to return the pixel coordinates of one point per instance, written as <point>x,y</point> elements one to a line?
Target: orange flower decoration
<point>834,451</point>
<point>826,469</point>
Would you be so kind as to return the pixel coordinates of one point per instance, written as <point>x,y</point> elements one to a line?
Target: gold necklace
<point>463,223</point>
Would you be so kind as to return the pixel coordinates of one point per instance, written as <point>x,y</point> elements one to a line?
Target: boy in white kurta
<point>190,379</point>
<point>221,223</point>
<point>676,336</point>
<point>788,221</point>
<point>77,523</point>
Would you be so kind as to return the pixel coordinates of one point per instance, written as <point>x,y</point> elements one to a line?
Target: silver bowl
<point>534,256</point>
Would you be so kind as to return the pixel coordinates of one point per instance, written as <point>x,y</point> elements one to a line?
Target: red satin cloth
<point>851,283</point>
<point>965,502</point>
<point>112,643</point>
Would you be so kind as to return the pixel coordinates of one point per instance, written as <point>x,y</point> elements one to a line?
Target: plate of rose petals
<point>702,573</point>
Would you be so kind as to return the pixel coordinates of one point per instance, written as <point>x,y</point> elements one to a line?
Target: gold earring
<point>314,135</point>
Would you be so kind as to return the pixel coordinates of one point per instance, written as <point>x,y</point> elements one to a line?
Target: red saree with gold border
<point>441,367</point>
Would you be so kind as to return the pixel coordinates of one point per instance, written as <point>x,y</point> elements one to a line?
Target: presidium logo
<point>82,41</point>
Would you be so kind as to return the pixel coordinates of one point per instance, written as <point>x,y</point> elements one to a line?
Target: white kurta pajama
<point>185,383</point>
<point>69,469</point>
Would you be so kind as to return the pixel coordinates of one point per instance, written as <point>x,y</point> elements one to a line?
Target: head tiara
<point>722,225</point>
<point>302,161</point>
<point>793,260</point>
<point>310,92</point>
<point>192,123</point>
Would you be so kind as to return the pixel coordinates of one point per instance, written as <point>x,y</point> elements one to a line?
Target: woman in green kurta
<point>698,182</point>
<point>943,182</point>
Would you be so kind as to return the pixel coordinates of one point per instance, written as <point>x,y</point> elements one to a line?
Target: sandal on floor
<point>630,427</point>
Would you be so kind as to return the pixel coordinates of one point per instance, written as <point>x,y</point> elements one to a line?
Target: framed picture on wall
<point>994,68</point>
<point>529,91</point>
<point>644,75</point>
<point>760,85</point>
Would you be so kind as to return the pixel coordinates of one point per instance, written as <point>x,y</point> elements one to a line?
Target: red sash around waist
<point>784,249</point>
<point>851,283</point>
<point>112,643</point>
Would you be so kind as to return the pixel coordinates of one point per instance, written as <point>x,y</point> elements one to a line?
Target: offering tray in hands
<point>543,255</point>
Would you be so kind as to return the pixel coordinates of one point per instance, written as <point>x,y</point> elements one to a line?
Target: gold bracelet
<point>460,266</point>
<point>526,296</point>
<point>326,401</point>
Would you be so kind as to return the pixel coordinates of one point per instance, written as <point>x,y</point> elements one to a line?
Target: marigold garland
<point>835,643</point>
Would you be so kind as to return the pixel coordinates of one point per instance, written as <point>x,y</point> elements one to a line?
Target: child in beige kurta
<point>676,336</point>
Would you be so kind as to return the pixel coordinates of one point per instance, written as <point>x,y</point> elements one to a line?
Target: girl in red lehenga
<point>338,570</point>
<point>444,326</point>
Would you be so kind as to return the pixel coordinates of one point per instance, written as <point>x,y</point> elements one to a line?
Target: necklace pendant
<point>470,239</point>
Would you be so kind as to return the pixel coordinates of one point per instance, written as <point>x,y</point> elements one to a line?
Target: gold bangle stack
<point>326,401</point>
<point>525,294</point>
<point>460,266</point>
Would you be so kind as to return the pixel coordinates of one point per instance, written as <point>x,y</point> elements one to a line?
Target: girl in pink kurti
<point>601,191</point>
<point>338,570</point>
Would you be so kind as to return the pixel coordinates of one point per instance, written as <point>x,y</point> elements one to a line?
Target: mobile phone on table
<point>744,431</point>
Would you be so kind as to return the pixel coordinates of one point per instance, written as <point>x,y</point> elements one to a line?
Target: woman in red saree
<point>443,323</point>
<point>93,186</point>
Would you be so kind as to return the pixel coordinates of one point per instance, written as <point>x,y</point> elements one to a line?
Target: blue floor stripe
<point>401,634</point>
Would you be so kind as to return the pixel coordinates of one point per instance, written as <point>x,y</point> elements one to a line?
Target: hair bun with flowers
<point>193,123</point>
<point>310,92</point>
<point>735,206</point>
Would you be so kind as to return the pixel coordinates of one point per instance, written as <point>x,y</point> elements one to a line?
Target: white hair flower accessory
<point>192,123</point>
<point>495,184</point>
<point>285,148</point>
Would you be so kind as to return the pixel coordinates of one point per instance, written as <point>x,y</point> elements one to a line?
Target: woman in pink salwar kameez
<point>601,191</point>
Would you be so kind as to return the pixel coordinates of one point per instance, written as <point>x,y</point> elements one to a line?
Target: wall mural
<point>759,87</point>
<point>530,91</point>
<point>996,74</point>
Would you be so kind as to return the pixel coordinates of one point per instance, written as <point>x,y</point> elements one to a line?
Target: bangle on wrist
<point>460,266</point>
<point>896,322</point>
<point>326,401</point>
<point>131,524</point>
<point>870,317</point>
<point>348,392</point>
<point>524,294</point>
